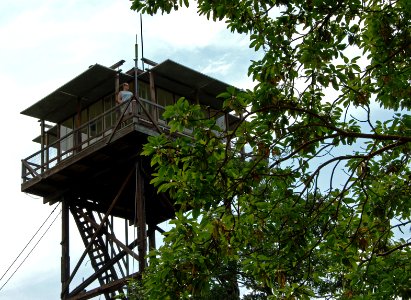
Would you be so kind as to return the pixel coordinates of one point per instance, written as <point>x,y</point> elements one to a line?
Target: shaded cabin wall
<point>146,92</point>
<point>84,116</point>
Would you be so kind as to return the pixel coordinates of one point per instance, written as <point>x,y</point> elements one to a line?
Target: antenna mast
<point>141,37</point>
<point>136,69</point>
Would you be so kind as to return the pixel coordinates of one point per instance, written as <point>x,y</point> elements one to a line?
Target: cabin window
<point>145,97</point>
<point>96,124</point>
<point>164,98</point>
<point>221,122</point>
<point>206,111</point>
<point>219,117</point>
<point>83,137</point>
<point>66,143</point>
<point>108,103</point>
<point>144,90</point>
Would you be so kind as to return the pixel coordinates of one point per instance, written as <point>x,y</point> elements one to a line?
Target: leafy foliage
<point>309,194</point>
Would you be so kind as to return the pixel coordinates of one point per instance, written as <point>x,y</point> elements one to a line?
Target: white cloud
<point>220,66</point>
<point>183,29</point>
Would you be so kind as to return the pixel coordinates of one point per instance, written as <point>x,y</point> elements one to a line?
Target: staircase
<point>98,251</point>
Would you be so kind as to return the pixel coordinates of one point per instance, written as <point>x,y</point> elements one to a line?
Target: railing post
<point>23,171</point>
<point>58,144</point>
<point>153,96</point>
<point>77,125</point>
<point>46,149</point>
<point>134,110</point>
<point>42,145</point>
<point>151,237</point>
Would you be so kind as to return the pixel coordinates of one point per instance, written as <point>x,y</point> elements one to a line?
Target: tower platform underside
<point>93,177</point>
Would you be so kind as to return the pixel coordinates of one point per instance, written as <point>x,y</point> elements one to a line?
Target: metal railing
<point>89,133</point>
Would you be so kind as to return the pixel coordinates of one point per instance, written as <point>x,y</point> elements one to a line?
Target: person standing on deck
<point>124,95</point>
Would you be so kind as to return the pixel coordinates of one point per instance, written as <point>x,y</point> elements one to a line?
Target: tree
<point>308,196</point>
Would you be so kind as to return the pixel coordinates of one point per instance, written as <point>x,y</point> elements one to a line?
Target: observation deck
<point>88,145</point>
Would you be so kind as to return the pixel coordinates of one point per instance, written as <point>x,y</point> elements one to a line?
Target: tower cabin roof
<point>94,83</point>
<point>98,81</point>
<point>187,82</point>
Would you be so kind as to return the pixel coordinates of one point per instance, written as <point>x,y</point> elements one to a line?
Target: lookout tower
<point>89,161</point>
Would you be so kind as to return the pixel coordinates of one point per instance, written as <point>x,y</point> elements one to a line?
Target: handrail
<point>82,137</point>
<point>89,133</point>
<point>120,119</point>
<point>149,115</point>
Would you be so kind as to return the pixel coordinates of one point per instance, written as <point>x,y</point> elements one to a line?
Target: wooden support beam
<point>141,218</point>
<point>151,237</point>
<point>65,249</point>
<point>120,119</point>
<point>153,121</point>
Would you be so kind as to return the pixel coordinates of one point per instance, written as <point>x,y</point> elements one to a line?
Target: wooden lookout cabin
<point>89,161</point>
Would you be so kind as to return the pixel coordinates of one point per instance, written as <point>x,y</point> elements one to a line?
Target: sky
<point>46,43</point>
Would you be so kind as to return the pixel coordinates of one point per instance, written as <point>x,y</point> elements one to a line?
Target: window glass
<point>108,103</point>
<point>145,96</point>
<point>144,90</point>
<point>164,98</point>
<point>206,111</point>
<point>66,128</point>
<point>96,124</point>
<point>84,129</point>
